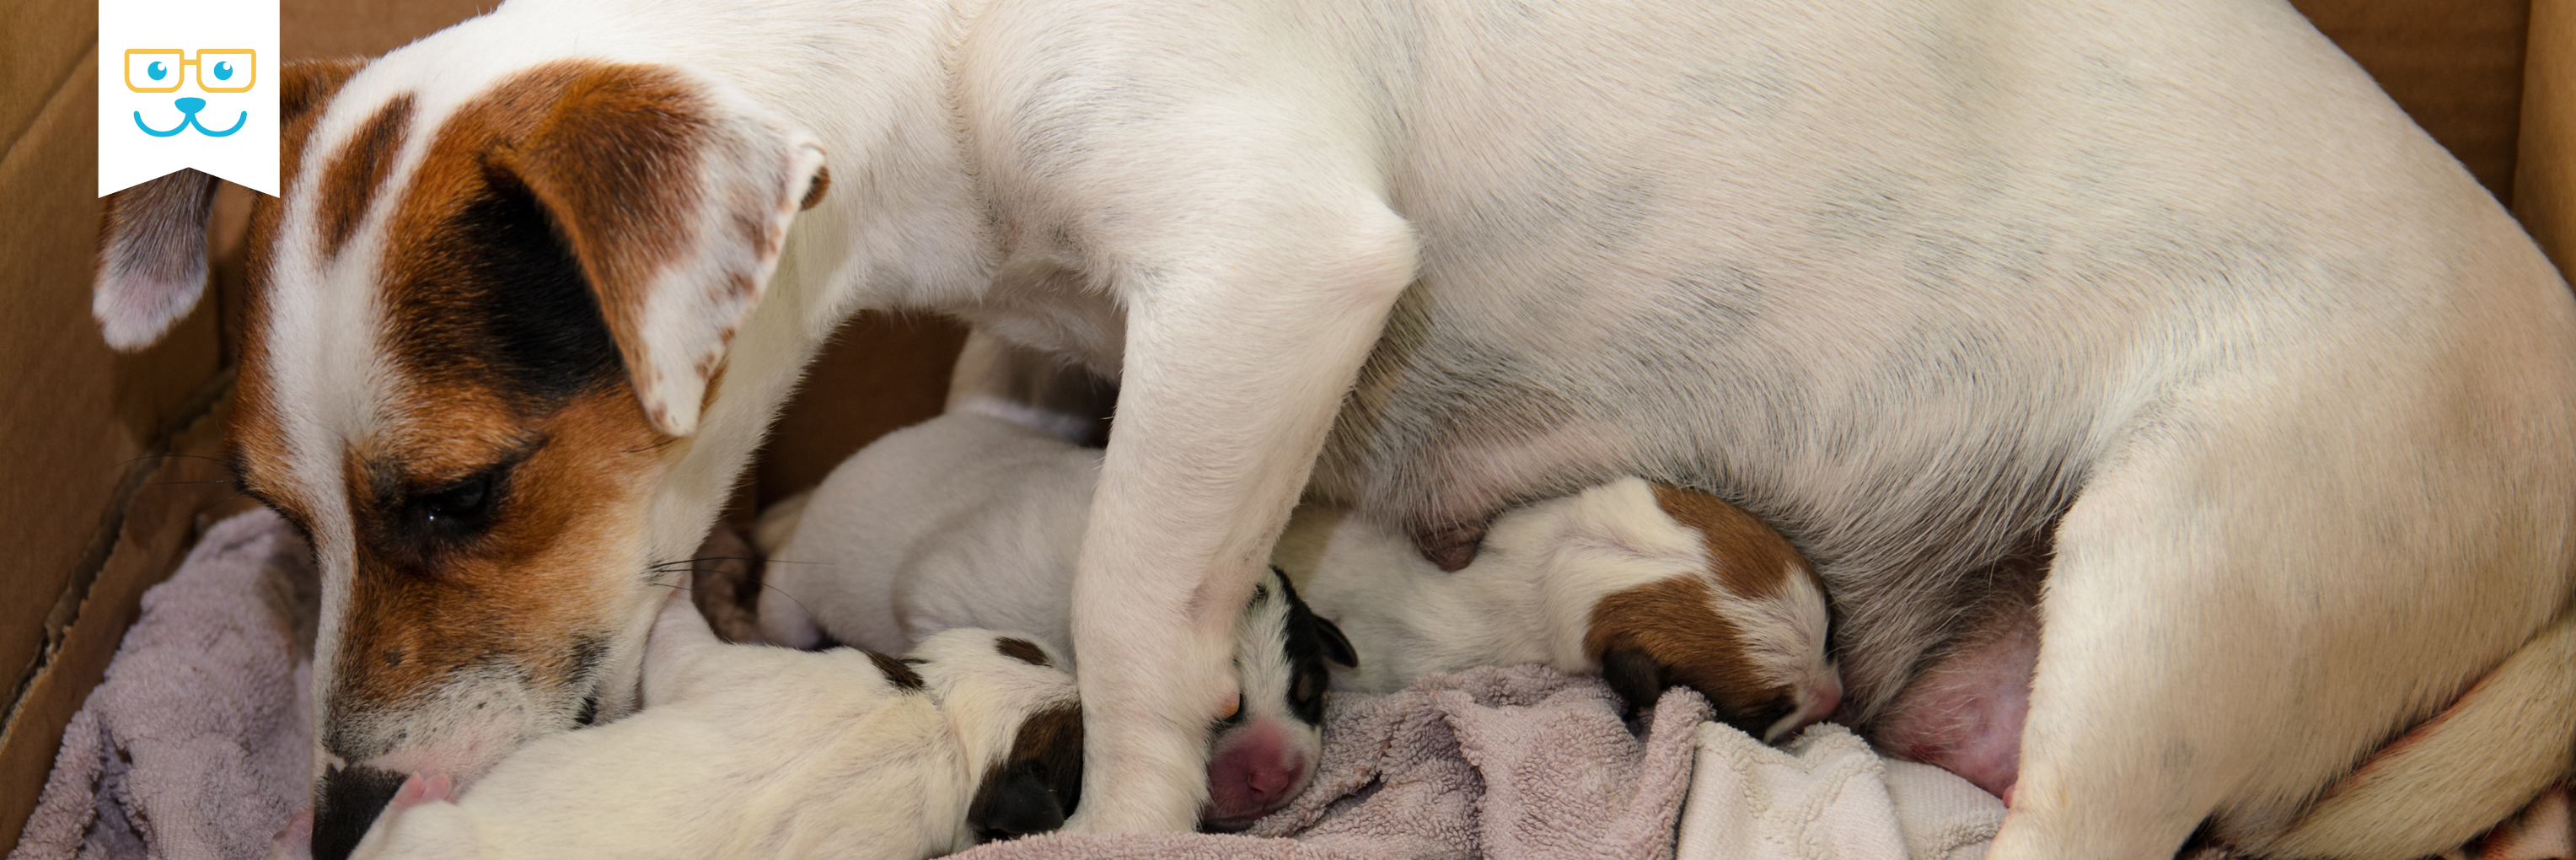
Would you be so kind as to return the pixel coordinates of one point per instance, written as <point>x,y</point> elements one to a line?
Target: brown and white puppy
<point>972,520</point>
<point>756,752</point>
<point>1909,279</point>
<point>1648,585</point>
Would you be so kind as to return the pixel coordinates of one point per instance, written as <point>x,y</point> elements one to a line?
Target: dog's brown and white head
<point>486,319</point>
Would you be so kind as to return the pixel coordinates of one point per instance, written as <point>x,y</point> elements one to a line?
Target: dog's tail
<point>2507,740</point>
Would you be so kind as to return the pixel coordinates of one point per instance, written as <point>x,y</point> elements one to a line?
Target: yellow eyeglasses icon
<point>219,70</point>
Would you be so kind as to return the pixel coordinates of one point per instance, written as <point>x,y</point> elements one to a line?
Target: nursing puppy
<point>968,520</point>
<point>2171,287</point>
<point>1650,586</point>
<point>754,752</point>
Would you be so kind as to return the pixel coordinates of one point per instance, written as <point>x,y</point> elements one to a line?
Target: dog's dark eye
<point>459,510</point>
<point>463,500</point>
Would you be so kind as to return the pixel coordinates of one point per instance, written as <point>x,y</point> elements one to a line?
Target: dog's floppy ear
<point>151,257</point>
<point>675,203</point>
<point>152,237</point>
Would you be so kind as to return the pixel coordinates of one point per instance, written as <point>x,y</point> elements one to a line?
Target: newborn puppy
<point>970,520</point>
<point>749,751</point>
<point>1649,585</point>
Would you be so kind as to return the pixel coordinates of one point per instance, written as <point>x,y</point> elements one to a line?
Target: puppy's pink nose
<point>1256,770</point>
<point>1268,779</point>
<point>1828,696</point>
<point>1815,704</point>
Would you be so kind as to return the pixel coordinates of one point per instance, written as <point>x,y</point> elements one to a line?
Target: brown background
<point>94,516</point>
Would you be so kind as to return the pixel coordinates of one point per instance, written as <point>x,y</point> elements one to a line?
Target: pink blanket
<point>1516,762</point>
<point>197,743</point>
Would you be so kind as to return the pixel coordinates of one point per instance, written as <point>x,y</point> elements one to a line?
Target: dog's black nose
<point>345,802</point>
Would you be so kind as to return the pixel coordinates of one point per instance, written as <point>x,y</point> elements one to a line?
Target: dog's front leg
<point>1234,368</point>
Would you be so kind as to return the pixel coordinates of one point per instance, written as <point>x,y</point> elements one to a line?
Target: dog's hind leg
<point>2257,590</point>
<point>2484,757</point>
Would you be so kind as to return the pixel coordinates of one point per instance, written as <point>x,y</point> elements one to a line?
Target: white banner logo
<point>187,83</point>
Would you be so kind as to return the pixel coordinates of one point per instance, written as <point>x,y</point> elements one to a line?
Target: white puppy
<point>1650,586</point>
<point>755,752</point>
<point>970,520</point>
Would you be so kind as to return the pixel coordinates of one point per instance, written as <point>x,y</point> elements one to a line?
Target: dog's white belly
<point>1892,284</point>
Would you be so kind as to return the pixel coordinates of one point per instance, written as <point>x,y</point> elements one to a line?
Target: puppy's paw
<point>295,842</point>
<point>2544,830</point>
<point>417,790</point>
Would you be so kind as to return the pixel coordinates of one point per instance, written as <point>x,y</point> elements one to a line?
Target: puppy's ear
<point>152,237</point>
<point>1328,635</point>
<point>1038,784</point>
<point>675,200</point>
<point>1637,678</point>
<point>1022,805</point>
<point>1337,647</point>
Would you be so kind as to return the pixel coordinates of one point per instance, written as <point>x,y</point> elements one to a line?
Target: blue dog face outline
<point>189,106</point>
<point>221,70</point>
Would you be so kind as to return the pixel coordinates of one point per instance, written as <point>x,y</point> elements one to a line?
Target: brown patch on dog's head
<point>1678,631</point>
<point>896,672</point>
<point>350,181</point>
<point>1038,784</point>
<point>1022,650</point>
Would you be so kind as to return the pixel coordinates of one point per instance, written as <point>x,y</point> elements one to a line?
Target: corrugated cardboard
<point>2545,184</point>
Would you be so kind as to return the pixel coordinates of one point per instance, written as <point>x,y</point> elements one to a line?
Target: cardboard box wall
<point>94,513</point>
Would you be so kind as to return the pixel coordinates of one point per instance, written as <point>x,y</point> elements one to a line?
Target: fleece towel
<point>1511,763</point>
<point>1825,796</point>
<point>196,745</point>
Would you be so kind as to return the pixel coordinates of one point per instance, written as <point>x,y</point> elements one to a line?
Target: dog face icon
<point>164,70</point>
<point>188,84</point>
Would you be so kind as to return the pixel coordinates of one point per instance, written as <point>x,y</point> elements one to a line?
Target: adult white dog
<point>1918,282</point>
